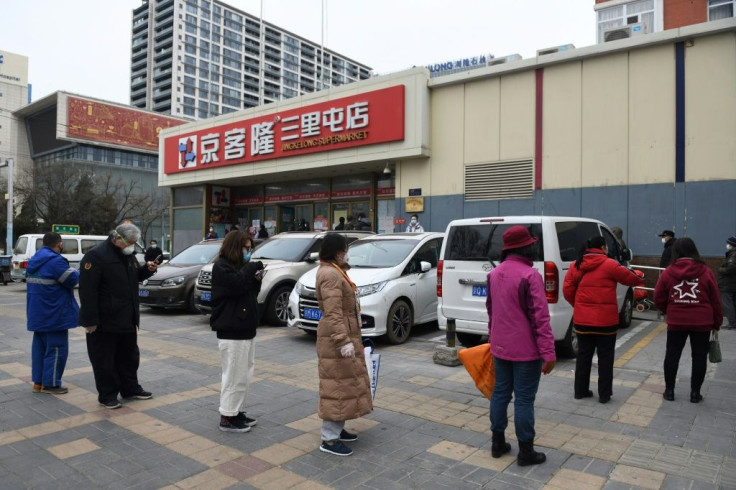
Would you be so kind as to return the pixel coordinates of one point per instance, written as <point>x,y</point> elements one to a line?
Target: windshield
<point>287,249</point>
<point>380,253</point>
<point>199,254</point>
<point>20,245</point>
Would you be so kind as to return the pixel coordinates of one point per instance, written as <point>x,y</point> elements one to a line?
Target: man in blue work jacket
<point>51,311</point>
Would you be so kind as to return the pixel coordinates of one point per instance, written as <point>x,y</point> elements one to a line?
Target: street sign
<point>415,192</point>
<point>65,229</point>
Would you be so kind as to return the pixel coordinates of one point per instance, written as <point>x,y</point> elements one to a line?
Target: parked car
<point>286,256</point>
<point>473,247</point>
<point>75,246</point>
<point>173,285</point>
<point>396,276</point>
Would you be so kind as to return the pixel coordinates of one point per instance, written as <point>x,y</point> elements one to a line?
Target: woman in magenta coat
<point>687,292</point>
<point>522,342</point>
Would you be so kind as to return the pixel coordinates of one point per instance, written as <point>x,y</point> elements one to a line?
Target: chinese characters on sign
<point>448,67</point>
<point>370,118</point>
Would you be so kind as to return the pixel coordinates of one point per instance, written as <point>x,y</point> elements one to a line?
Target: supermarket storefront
<point>297,165</point>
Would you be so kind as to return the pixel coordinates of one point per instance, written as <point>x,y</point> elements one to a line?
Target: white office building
<point>203,58</point>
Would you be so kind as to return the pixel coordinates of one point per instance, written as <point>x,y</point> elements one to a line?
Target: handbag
<point>478,361</point>
<point>714,349</point>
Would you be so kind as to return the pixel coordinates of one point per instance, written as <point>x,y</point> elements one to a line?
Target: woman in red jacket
<point>590,287</point>
<point>687,292</point>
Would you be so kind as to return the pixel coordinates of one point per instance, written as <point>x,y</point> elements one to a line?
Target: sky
<point>83,46</point>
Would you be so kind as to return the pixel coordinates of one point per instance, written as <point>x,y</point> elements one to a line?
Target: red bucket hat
<point>517,237</point>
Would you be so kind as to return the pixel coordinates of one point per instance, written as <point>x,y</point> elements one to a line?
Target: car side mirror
<point>313,257</point>
<point>425,266</point>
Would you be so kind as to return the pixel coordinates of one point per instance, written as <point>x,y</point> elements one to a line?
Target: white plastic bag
<point>372,363</point>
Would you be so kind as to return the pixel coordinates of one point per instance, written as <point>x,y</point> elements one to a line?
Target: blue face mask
<point>246,256</point>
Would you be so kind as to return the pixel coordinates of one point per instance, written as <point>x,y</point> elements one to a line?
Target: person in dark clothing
<point>350,223</point>
<point>236,282</point>
<point>362,224</point>
<point>668,238</point>
<point>108,292</point>
<point>262,231</point>
<point>687,292</point>
<point>152,252</point>
<point>341,224</point>
<point>590,287</point>
<point>727,282</point>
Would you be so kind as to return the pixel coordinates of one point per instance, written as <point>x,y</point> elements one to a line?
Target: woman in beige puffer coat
<point>344,388</point>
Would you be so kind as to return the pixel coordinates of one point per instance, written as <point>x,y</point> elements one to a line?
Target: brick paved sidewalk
<point>429,428</point>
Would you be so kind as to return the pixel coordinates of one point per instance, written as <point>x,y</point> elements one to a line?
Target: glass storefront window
<point>351,186</point>
<point>189,196</point>
<point>187,228</point>
<point>321,217</point>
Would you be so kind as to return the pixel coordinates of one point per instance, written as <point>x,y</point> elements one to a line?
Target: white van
<point>472,247</point>
<point>75,246</point>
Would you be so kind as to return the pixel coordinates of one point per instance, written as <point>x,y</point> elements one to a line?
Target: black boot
<point>499,446</point>
<point>528,456</point>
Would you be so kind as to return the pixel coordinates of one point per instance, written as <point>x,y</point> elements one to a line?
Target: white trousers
<point>331,429</point>
<point>238,364</point>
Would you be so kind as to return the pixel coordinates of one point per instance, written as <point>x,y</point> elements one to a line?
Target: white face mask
<point>129,249</point>
<point>344,259</point>
<point>413,222</point>
<point>729,246</point>
<point>664,240</point>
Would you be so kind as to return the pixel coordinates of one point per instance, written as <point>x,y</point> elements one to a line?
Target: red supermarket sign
<point>360,120</point>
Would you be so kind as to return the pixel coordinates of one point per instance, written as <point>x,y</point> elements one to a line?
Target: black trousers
<point>699,343</point>
<point>588,344</point>
<point>115,359</point>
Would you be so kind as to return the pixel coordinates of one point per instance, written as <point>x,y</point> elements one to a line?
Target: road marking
<point>625,338</point>
<point>626,356</point>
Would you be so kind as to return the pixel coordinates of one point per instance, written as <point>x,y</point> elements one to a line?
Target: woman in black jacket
<point>235,285</point>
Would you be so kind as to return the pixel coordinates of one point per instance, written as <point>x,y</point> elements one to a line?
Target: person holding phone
<point>236,282</point>
<point>152,252</point>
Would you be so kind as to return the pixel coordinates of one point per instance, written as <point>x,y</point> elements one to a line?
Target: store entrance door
<point>350,209</point>
<point>286,219</point>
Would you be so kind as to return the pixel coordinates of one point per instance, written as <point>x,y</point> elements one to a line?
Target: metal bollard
<point>450,332</point>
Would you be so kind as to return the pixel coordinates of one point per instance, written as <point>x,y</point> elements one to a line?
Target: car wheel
<point>627,312</point>
<point>399,322</point>
<point>278,306</point>
<point>190,305</point>
<point>468,339</point>
<point>569,346</point>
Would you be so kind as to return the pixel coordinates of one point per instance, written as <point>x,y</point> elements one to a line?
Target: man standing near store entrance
<point>108,292</point>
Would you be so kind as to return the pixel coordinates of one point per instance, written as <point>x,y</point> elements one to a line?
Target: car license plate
<point>480,291</point>
<point>144,293</point>
<point>206,296</point>
<point>312,313</point>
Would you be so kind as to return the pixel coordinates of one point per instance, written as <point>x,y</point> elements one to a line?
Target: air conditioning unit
<point>555,49</point>
<point>624,32</point>
<point>504,59</point>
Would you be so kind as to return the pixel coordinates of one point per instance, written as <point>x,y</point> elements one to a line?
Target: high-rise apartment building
<point>619,19</point>
<point>203,58</point>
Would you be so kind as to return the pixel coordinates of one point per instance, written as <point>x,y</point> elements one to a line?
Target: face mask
<point>154,245</point>
<point>729,247</point>
<point>246,255</point>
<point>664,240</point>
<point>129,249</point>
<point>413,222</point>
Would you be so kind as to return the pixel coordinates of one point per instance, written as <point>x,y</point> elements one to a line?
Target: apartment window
<point>188,111</point>
<point>720,9</point>
<point>190,49</point>
<point>641,11</point>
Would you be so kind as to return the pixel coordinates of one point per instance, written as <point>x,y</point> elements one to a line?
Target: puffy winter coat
<point>234,304</point>
<point>687,292</point>
<point>344,389</point>
<point>727,273</point>
<point>591,290</point>
<point>518,314</point>
<point>108,289</point>
<point>50,304</point>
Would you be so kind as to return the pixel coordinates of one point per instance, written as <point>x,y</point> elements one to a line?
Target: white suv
<point>472,248</point>
<point>286,256</point>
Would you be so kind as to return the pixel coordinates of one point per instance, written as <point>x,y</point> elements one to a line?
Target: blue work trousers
<point>522,379</point>
<point>49,352</point>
